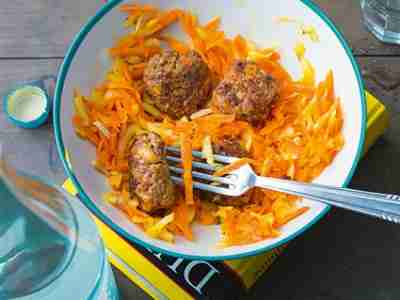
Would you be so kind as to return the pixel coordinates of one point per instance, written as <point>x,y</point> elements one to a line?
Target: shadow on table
<point>345,255</point>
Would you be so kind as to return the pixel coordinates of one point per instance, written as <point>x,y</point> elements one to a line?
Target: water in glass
<point>382,18</point>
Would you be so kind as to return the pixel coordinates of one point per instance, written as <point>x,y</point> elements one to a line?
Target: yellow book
<point>166,277</point>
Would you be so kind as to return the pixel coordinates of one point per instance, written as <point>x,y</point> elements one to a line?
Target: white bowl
<point>86,62</point>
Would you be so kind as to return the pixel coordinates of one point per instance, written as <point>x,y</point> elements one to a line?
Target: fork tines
<point>202,171</point>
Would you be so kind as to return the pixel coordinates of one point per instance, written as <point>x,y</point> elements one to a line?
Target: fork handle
<point>384,206</point>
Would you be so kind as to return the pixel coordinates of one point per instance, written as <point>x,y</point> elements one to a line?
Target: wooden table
<point>345,256</point>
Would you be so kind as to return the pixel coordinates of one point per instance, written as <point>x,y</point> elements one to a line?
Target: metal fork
<point>383,206</point>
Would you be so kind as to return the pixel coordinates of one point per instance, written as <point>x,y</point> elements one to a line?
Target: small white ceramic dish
<point>86,62</point>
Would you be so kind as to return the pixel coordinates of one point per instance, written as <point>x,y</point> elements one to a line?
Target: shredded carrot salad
<point>300,139</point>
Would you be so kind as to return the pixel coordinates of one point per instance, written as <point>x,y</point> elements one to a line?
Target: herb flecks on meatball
<point>178,84</point>
<point>149,176</point>
<point>246,91</point>
<point>229,146</point>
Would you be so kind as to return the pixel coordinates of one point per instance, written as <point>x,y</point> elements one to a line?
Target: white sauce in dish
<point>27,103</point>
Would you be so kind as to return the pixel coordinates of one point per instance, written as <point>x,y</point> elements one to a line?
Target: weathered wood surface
<point>347,16</point>
<point>346,256</point>
<point>43,28</point>
<point>15,71</point>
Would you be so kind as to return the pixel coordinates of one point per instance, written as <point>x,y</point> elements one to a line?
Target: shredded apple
<point>301,137</point>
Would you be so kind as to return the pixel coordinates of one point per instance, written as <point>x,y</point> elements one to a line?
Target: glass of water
<point>382,18</point>
<point>50,248</point>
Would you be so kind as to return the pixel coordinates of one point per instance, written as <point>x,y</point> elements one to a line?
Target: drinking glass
<point>382,18</point>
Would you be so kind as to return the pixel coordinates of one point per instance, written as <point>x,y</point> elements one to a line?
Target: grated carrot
<point>186,152</point>
<point>233,166</point>
<point>213,24</point>
<point>140,51</point>
<point>184,215</point>
<point>291,215</point>
<point>206,213</point>
<point>240,46</point>
<point>175,44</point>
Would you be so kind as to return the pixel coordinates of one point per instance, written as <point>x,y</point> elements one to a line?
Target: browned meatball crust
<point>230,146</point>
<point>246,91</point>
<point>149,176</point>
<point>176,84</point>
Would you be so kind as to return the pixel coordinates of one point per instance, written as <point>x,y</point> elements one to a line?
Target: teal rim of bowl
<point>34,123</point>
<point>80,37</point>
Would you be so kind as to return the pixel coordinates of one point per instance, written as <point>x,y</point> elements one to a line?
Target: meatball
<point>149,177</point>
<point>230,146</point>
<point>246,91</point>
<point>176,84</point>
